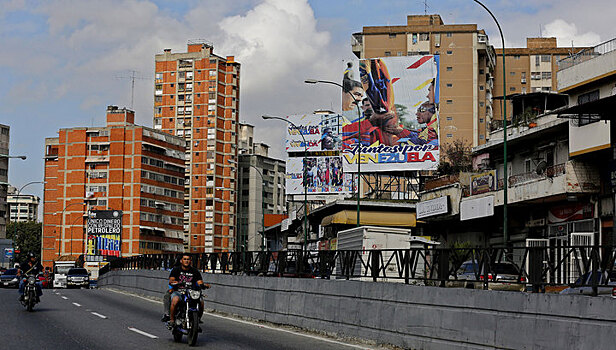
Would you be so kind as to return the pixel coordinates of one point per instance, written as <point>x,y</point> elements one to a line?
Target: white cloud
<point>567,33</point>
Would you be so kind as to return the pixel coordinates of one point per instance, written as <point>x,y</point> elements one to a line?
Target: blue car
<point>9,279</point>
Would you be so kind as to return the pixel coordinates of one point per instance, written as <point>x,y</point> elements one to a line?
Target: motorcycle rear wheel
<point>194,329</point>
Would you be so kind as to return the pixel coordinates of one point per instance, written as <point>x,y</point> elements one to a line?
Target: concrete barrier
<point>408,316</point>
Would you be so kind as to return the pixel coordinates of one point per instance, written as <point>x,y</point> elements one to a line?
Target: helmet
<point>31,255</point>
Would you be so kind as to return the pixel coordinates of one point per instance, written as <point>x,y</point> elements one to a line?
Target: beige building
<point>529,69</point>
<point>467,63</point>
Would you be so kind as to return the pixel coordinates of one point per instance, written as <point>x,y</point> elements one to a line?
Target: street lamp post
<point>304,179</point>
<point>359,139</point>
<point>17,198</point>
<point>504,115</point>
<point>62,223</point>
<point>262,203</point>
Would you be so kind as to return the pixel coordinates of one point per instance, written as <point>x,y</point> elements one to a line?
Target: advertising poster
<point>104,230</point>
<point>319,130</point>
<point>483,183</point>
<point>324,175</point>
<point>390,114</point>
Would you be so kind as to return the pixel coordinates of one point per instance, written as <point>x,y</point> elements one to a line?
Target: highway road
<point>106,319</point>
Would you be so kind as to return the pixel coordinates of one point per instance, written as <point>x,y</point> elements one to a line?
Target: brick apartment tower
<point>197,97</point>
<point>529,69</point>
<point>466,68</point>
<point>121,166</point>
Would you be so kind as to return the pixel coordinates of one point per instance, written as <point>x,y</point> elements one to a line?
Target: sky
<point>64,61</point>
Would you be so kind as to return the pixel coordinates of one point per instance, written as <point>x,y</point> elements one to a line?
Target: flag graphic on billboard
<point>104,230</point>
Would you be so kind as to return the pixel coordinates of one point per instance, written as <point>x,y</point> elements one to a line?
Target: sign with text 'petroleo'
<point>104,230</point>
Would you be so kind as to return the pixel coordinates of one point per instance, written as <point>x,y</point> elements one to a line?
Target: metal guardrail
<point>587,54</point>
<point>537,267</point>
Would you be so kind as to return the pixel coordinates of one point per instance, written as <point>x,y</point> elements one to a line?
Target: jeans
<point>38,285</point>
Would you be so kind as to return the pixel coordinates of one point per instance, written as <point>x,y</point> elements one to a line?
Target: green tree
<point>455,157</point>
<point>27,237</point>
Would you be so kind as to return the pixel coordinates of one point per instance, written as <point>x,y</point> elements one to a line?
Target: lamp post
<point>262,202</point>
<point>504,115</point>
<point>304,179</point>
<point>17,198</point>
<point>62,223</point>
<point>315,81</point>
<point>9,156</point>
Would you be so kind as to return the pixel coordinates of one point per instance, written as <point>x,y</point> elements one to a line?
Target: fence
<point>536,266</point>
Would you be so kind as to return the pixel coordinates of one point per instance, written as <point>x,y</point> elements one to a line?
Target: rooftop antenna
<point>132,78</point>
<point>425,3</point>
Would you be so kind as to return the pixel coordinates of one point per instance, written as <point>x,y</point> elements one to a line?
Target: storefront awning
<point>372,218</point>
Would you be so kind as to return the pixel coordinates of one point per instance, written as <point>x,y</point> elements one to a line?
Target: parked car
<point>9,279</point>
<point>501,276</point>
<point>77,277</point>
<point>606,281</point>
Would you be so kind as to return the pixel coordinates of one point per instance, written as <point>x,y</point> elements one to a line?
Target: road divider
<point>142,333</point>
<point>78,305</point>
<point>99,315</point>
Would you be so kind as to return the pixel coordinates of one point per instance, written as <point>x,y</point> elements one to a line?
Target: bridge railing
<point>535,267</point>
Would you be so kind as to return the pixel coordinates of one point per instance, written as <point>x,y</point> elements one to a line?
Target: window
<point>159,76</point>
<point>449,52</point>
<point>449,34</point>
<point>546,75</point>
<point>387,53</point>
<point>449,136</point>
<point>480,87</point>
<point>481,71</point>
<point>481,137</point>
<point>480,104</point>
<point>392,36</point>
<point>449,85</point>
<point>449,102</point>
<point>523,89</point>
<point>400,53</point>
<point>449,118</point>
<point>545,58</point>
<point>449,69</point>
<point>516,57</point>
<point>512,88</point>
<point>424,37</point>
<point>537,60</point>
<point>481,120</point>
<point>585,98</point>
<point>212,73</point>
<point>512,73</point>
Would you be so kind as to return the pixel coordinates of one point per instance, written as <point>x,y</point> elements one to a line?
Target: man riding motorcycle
<point>29,267</point>
<point>183,276</point>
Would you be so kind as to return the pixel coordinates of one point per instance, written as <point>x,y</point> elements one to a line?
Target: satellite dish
<point>541,167</point>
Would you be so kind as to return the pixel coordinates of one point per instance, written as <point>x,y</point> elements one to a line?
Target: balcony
<point>572,177</point>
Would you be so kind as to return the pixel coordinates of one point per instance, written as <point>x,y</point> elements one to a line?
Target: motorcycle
<point>30,298</point>
<point>187,315</point>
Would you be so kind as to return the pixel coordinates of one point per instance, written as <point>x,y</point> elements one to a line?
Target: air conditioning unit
<point>523,81</point>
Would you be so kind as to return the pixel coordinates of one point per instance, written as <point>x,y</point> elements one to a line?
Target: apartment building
<point>197,98</point>
<point>22,207</point>
<point>260,190</point>
<point>529,69</point>
<point>466,74</point>
<point>121,167</point>
<point>4,176</point>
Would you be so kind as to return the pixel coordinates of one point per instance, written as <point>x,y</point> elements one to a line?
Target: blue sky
<point>63,61</point>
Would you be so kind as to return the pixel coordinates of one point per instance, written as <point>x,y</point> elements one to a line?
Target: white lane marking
<point>97,314</point>
<point>78,305</point>
<point>254,323</point>
<point>65,298</point>
<point>291,332</point>
<point>142,333</point>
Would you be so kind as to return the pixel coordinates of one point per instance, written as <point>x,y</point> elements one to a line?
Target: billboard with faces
<point>390,118</point>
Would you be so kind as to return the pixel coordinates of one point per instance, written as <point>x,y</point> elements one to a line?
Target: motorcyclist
<point>29,267</point>
<point>188,275</point>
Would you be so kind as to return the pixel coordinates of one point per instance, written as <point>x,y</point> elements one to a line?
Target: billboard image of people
<point>320,131</point>
<point>324,175</point>
<point>390,115</point>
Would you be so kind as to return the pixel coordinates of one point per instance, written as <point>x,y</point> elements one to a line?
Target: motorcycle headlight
<point>31,279</point>
<point>194,294</point>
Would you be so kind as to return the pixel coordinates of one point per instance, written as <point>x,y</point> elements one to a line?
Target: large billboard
<point>104,230</point>
<point>320,131</point>
<point>392,103</point>
<point>324,175</point>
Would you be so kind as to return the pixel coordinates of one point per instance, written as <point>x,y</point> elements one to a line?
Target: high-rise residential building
<point>197,97</point>
<point>260,191</point>
<point>529,69</point>
<point>467,64</point>
<point>22,207</point>
<point>120,167</point>
<point>4,176</point>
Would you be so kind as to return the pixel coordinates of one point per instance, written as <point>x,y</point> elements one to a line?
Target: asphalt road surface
<point>105,319</point>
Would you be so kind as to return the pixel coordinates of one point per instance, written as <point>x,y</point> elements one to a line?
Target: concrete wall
<point>408,316</point>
